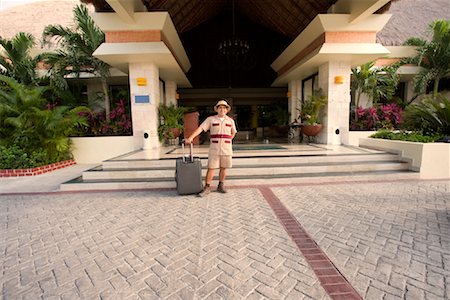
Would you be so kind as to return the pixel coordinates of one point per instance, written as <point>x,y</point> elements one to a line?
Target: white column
<point>295,94</point>
<point>144,104</point>
<point>171,93</point>
<point>337,112</point>
<point>294,87</point>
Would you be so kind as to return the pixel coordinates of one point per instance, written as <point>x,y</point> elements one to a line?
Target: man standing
<point>222,131</point>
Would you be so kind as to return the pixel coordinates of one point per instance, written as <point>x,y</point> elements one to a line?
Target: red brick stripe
<point>36,171</point>
<point>334,283</point>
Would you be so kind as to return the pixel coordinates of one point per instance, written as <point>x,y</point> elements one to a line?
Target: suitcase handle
<point>191,150</point>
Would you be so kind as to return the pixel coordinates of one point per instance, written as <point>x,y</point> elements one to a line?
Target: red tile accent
<point>37,170</point>
<point>350,37</point>
<point>333,282</point>
<point>129,36</point>
<point>332,279</point>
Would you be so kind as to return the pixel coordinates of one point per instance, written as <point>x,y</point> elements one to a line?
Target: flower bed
<point>36,171</point>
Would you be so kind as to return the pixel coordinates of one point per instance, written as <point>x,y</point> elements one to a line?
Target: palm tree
<point>17,62</point>
<point>433,56</point>
<point>78,45</point>
<point>374,82</point>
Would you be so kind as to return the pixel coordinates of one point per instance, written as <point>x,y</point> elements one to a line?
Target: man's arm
<point>193,135</point>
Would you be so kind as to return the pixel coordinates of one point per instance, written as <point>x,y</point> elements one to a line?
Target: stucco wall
<point>92,150</point>
<point>432,160</point>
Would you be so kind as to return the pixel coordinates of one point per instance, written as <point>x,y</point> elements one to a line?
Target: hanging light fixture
<point>234,47</point>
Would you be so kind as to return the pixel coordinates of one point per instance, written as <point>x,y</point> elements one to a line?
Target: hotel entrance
<point>260,114</point>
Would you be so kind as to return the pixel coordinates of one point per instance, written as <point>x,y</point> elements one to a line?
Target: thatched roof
<point>288,18</point>
<point>410,18</point>
<point>33,17</point>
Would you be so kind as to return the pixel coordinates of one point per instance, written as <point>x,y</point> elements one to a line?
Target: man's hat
<point>224,103</point>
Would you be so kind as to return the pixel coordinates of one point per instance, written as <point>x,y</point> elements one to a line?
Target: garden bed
<point>37,170</point>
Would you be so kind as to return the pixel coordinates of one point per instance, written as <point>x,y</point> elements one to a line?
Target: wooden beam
<point>365,9</point>
<point>126,8</point>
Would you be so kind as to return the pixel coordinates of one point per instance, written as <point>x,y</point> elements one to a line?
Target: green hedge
<point>406,136</point>
<point>17,158</point>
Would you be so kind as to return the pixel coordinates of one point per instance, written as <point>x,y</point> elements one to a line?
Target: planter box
<point>432,160</point>
<point>93,150</point>
<point>355,135</point>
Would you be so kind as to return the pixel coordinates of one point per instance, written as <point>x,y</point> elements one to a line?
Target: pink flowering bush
<point>119,124</point>
<point>372,118</point>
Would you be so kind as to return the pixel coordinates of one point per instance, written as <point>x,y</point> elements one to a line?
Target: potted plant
<point>310,113</point>
<point>171,121</point>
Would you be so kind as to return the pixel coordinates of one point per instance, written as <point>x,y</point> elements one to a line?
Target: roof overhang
<point>354,54</point>
<point>165,49</point>
<point>307,52</point>
<point>120,55</point>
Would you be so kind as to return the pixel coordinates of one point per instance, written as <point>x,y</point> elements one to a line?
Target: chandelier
<point>234,46</point>
<point>234,49</point>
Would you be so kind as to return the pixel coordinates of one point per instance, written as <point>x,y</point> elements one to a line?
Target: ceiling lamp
<point>234,48</point>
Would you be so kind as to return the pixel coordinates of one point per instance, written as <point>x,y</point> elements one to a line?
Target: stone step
<point>252,160</point>
<point>262,169</point>
<point>239,180</point>
<point>304,163</point>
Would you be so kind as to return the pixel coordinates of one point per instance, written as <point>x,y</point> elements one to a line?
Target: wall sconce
<point>141,81</point>
<point>177,96</point>
<point>339,79</point>
<point>289,94</point>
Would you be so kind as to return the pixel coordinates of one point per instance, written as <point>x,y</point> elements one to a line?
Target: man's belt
<point>220,136</point>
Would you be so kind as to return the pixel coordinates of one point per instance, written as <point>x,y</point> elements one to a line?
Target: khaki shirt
<point>221,133</point>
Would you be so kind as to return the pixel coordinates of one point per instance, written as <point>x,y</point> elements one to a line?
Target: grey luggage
<point>188,173</point>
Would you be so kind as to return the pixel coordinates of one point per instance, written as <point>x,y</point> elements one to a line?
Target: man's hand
<point>188,141</point>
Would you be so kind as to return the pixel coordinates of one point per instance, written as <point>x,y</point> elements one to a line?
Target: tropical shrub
<point>16,61</point>
<point>411,136</point>
<point>433,56</point>
<point>172,117</point>
<point>430,116</point>
<point>14,157</point>
<point>97,125</point>
<point>312,107</point>
<point>28,122</point>
<point>75,55</point>
<point>386,116</point>
<point>375,82</point>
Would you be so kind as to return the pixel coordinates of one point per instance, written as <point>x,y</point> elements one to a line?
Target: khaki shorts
<point>219,161</point>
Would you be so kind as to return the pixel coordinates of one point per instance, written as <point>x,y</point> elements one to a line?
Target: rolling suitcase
<point>188,173</point>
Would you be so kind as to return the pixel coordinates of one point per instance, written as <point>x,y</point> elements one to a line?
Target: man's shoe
<point>220,188</point>
<point>205,192</point>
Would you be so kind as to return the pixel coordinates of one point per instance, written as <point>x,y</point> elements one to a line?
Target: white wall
<point>93,150</point>
<point>432,160</point>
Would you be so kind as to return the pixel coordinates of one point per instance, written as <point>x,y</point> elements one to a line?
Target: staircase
<point>280,165</point>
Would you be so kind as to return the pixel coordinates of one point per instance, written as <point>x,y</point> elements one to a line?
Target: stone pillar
<point>145,93</point>
<point>294,96</point>
<point>337,112</point>
<point>171,93</point>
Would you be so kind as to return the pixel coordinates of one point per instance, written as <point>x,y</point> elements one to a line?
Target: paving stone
<point>395,221</point>
<point>386,238</point>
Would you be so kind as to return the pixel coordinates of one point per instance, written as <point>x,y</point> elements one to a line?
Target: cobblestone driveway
<point>390,240</point>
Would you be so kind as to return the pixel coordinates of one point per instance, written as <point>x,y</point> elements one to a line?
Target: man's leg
<point>222,175</point>
<point>208,178</point>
